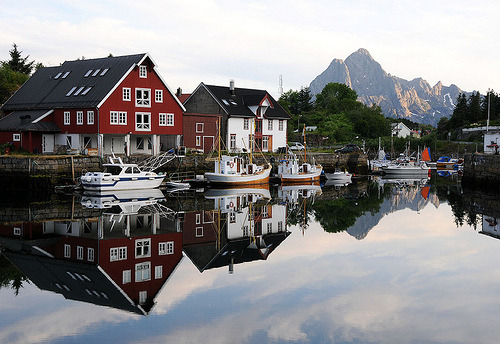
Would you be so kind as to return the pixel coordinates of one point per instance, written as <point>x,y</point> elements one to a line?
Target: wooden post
<point>72,169</point>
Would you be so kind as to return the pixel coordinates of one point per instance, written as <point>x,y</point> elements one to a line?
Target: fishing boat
<point>411,168</point>
<point>339,176</point>
<point>447,163</point>
<point>236,170</point>
<point>120,176</point>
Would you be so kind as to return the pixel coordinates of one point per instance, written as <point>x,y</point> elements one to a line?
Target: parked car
<point>296,146</point>
<point>350,148</point>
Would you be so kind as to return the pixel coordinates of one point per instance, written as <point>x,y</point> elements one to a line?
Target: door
<point>47,143</point>
<point>208,142</point>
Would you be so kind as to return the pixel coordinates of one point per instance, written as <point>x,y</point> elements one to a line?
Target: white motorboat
<point>341,176</point>
<point>407,169</point>
<point>290,172</point>
<point>126,199</point>
<point>120,176</point>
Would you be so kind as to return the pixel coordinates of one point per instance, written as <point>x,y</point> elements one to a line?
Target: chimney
<point>179,92</point>
<point>231,87</point>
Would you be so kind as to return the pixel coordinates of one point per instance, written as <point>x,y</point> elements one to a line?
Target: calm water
<point>371,262</point>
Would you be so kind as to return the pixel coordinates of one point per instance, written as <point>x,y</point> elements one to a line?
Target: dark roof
<point>47,87</point>
<point>238,102</point>
<point>23,121</point>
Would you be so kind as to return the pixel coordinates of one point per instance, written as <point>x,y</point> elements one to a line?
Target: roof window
<point>58,75</point>
<point>86,90</point>
<point>65,75</point>
<point>88,73</point>
<point>70,91</point>
<point>96,72</point>
<point>233,102</point>
<point>79,90</point>
<point>225,102</point>
<point>104,71</point>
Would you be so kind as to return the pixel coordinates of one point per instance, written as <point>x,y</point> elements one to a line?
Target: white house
<point>491,142</point>
<point>400,130</point>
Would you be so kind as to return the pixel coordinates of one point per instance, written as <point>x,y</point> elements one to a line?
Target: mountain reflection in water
<point>123,250</point>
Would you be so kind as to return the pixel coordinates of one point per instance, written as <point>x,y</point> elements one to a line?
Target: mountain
<point>415,100</point>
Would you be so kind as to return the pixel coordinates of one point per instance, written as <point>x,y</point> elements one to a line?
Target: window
<point>232,217</point>
<point>79,252</point>
<point>117,253</point>
<point>122,118</point>
<point>96,72</point>
<point>245,231</point>
<point>118,117</point>
<point>198,219</point>
<point>199,127</point>
<point>143,272</point>
<point>165,248</point>
<point>143,248</point>
<point>86,90</point>
<point>232,142</point>
<point>265,143</point>
<point>198,140</point>
<point>159,96</point>
<point>126,276</point>
<point>143,71</point>
<point>17,231</point>
<point>199,232</point>
<point>65,75</point>
<point>246,125</point>
<point>170,119</point>
<point>158,271</point>
<point>139,143</point>
<point>79,90</point>
<point>113,117</point>
<point>67,118</point>
<point>280,125</point>
<point>104,72</point>
<point>126,94</point>
<point>280,226</point>
<point>163,119</point>
<point>70,91</point>
<point>88,73</point>
<point>16,137</point>
<point>90,117</point>
<point>79,117</point>
<point>90,254</point>
<point>142,121</point>
<point>269,124</point>
<point>57,76</point>
<point>67,251</point>
<point>143,297</point>
<point>143,97</point>
<point>269,227</point>
<point>258,126</point>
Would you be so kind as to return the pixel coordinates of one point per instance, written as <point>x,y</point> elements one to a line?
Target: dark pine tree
<point>18,63</point>
<point>474,108</point>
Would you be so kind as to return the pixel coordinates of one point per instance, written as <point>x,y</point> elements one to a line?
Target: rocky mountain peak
<point>415,100</point>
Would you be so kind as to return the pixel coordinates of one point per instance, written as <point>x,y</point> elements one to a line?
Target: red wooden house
<point>114,104</point>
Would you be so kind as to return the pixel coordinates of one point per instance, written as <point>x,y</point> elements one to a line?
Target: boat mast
<point>218,141</point>
<point>305,145</point>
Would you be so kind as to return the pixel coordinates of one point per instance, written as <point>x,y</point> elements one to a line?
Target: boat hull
<point>405,171</point>
<point>240,179</point>
<point>120,183</point>
<point>301,177</point>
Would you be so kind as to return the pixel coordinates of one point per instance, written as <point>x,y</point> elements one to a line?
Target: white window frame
<point>246,123</point>
<point>269,227</point>
<point>67,118</point>
<point>140,99</point>
<point>113,117</point>
<point>198,141</point>
<point>122,117</point>
<point>17,231</point>
<point>158,271</point>
<point>170,247</point>
<point>280,125</point>
<point>143,272</point>
<point>90,117</point>
<point>79,117</point>
<point>16,137</point>
<point>79,252</point>
<point>127,94</point>
<point>117,253</point>
<point>90,254</point>
<point>270,124</point>
<point>143,297</point>
<point>143,71</point>
<point>198,219</point>
<point>162,121</point>
<point>126,276</point>
<point>265,143</point>
<point>232,141</point>
<point>143,125</point>
<point>158,96</point>
<point>142,244</point>
<point>280,226</point>
<point>162,248</point>
<point>170,119</point>
<point>67,251</point>
<point>201,126</point>
<point>199,232</point>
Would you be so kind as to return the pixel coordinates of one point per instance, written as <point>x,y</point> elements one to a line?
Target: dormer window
<point>143,71</point>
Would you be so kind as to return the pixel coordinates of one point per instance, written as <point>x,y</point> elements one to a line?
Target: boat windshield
<point>115,170</point>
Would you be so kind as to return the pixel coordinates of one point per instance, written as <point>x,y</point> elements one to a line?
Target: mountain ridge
<point>413,99</point>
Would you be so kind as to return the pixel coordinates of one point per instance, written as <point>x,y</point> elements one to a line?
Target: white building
<point>400,130</point>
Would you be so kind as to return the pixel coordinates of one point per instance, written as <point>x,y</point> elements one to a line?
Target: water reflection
<point>124,250</point>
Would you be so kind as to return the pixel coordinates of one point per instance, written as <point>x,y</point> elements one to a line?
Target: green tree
<point>474,108</point>
<point>18,63</point>
<point>10,81</point>
<point>297,102</point>
<point>336,98</point>
<point>459,117</point>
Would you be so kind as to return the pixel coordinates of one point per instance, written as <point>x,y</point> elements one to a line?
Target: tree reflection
<point>10,276</point>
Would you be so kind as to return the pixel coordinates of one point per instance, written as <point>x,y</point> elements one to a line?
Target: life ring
<point>231,204</point>
<point>231,164</point>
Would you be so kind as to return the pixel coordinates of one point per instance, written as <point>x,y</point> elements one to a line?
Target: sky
<point>254,42</point>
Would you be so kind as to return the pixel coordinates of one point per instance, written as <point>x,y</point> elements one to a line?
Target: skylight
<point>79,90</point>
<point>232,102</point>
<point>96,72</point>
<point>86,90</point>
<point>88,73</point>
<point>58,75</point>
<point>104,71</point>
<point>65,75</point>
<point>70,91</point>
<point>225,102</point>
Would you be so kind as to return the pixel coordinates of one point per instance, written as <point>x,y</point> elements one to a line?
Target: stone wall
<point>482,171</point>
<point>64,165</point>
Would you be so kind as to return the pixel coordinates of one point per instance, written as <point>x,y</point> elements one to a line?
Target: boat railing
<point>156,161</point>
<point>181,176</point>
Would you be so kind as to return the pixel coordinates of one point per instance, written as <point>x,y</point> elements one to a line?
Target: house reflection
<point>121,258</point>
<point>243,227</point>
<point>490,226</point>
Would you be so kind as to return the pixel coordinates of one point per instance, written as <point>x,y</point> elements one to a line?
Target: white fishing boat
<point>407,169</point>
<point>233,170</point>
<point>291,172</point>
<point>120,176</point>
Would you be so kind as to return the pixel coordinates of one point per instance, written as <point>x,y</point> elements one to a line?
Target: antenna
<point>280,88</point>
